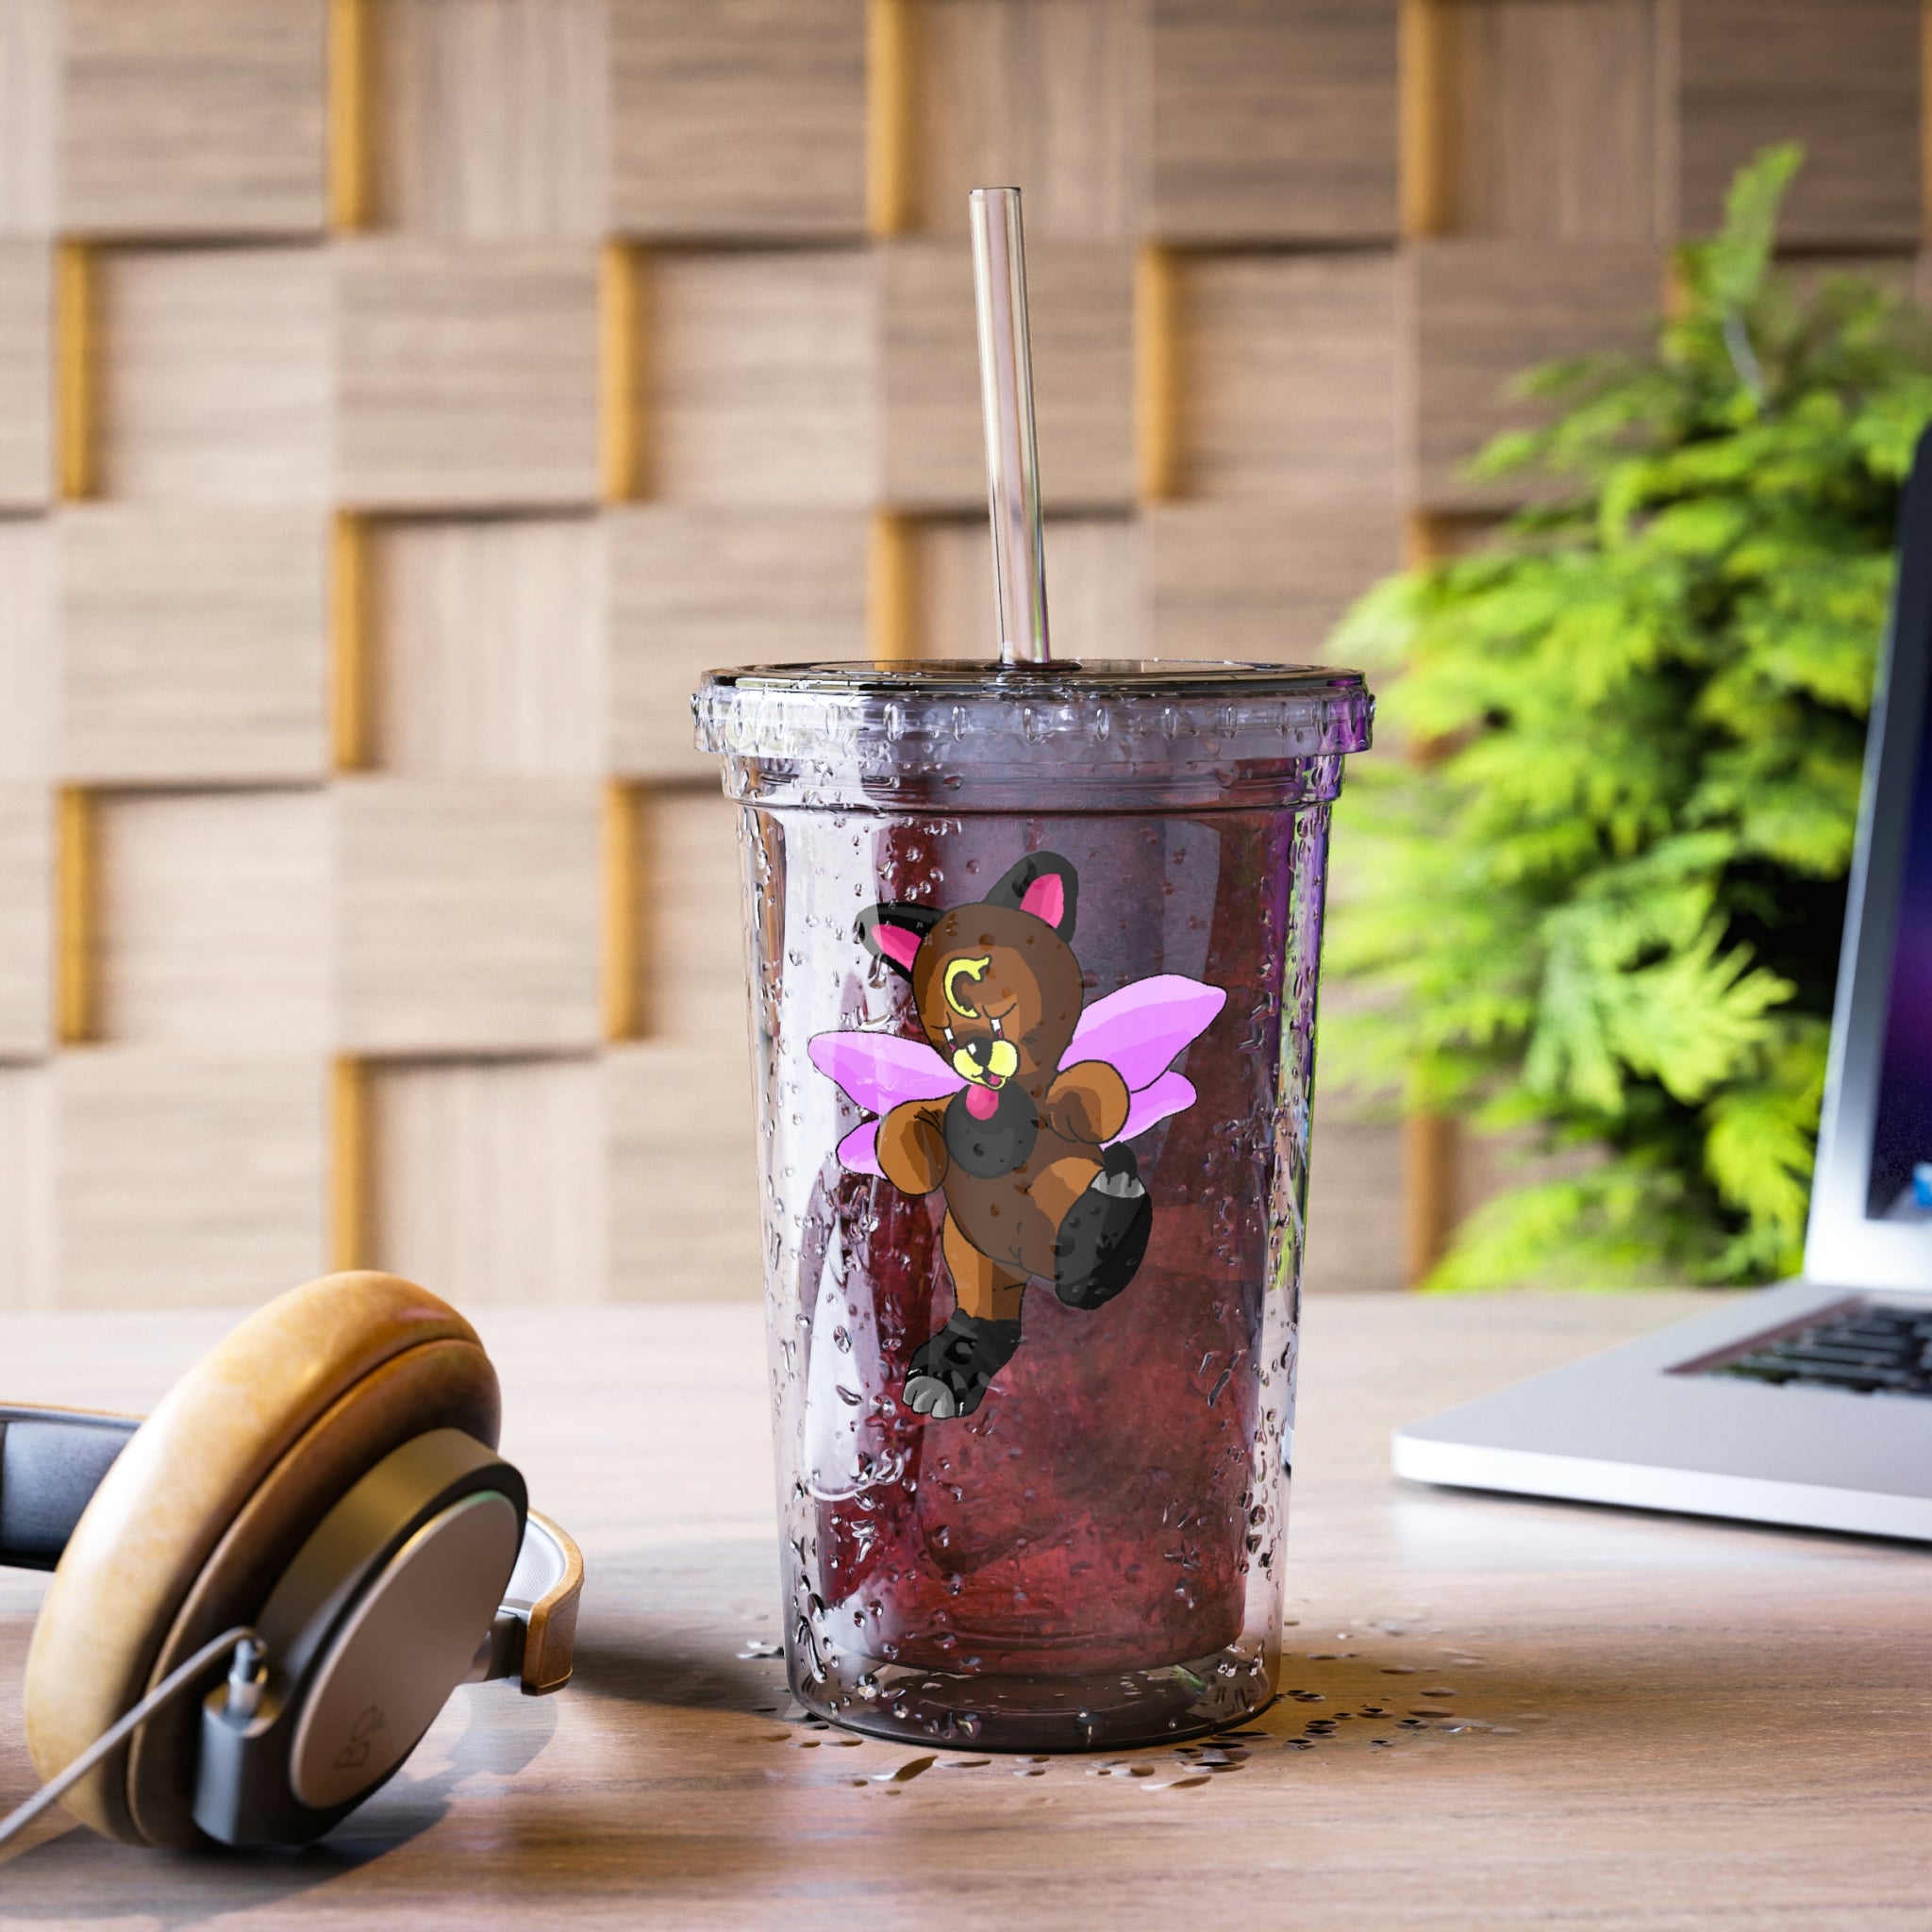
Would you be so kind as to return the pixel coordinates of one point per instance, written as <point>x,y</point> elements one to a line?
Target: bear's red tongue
<point>982,1103</point>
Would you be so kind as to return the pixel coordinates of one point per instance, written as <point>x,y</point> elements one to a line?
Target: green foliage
<point>1609,912</point>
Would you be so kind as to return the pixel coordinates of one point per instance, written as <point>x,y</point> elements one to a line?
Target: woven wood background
<point>402,400</point>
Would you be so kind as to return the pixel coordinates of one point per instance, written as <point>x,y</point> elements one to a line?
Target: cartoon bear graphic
<point>1016,1108</point>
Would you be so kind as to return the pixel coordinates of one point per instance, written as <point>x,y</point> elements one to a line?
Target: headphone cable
<point>243,1640</point>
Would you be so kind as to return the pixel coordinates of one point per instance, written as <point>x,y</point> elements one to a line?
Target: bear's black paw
<point>949,1374</point>
<point>1104,1236</point>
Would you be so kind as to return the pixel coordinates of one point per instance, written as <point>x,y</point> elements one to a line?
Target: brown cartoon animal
<point>1030,1188</point>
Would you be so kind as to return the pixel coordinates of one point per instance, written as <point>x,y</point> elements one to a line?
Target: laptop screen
<point>1872,1195</point>
<point>1900,1187</point>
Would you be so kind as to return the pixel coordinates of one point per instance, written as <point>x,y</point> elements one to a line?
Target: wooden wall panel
<point>1250,580</point>
<point>26,921</point>
<point>1480,314</point>
<point>492,1179</point>
<point>489,118</point>
<point>1081,303</point>
<point>1355,1204</point>
<point>738,118</point>
<point>636,338</point>
<point>683,1188</point>
<point>193,117</point>
<point>489,645</point>
<point>1093,586</point>
<point>30,661</point>
<point>468,374</point>
<point>191,643</point>
<point>1843,77</point>
<point>214,374</point>
<point>467,914</point>
<point>1273,120</point>
<point>1046,95</point>
<point>1553,120</point>
<point>26,374</point>
<point>29,114</point>
<point>1287,379</point>
<point>29,1274</point>
<point>694,589</point>
<point>185,1179</point>
<point>213,919</point>
<point>695,989</point>
<point>761,371</point>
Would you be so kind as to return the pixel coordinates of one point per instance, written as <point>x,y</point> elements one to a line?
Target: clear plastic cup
<point>1033,956</point>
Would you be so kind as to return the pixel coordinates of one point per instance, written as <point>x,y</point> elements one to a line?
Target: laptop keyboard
<point>1869,1349</point>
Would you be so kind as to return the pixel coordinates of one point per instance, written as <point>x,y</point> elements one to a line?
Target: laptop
<point>1810,1403</point>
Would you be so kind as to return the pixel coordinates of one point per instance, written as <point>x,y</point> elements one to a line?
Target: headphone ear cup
<point>209,1503</point>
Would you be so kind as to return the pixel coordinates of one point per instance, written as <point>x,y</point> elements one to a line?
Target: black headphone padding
<point>51,1462</point>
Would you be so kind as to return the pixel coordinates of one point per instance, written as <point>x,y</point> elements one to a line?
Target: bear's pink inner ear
<point>1045,898</point>
<point>898,942</point>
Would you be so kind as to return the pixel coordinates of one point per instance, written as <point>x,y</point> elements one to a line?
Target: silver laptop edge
<point>1643,1425</point>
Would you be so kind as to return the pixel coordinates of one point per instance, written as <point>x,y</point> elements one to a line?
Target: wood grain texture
<point>26,374</point>
<point>191,643</point>
<point>1081,302</point>
<point>1700,1722</point>
<point>27,1276</point>
<point>467,915</point>
<point>1273,120</point>
<point>1355,1186</point>
<point>213,919</point>
<point>488,646</point>
<point>29,114</point>
<point>1093,583</point>
<point>1288,379</point>
<point>693,588</point>
<point>29,650</point>
<point>26,921</point>
<point>184,1178</point>
<point>216,375</point>
<point>1251,580</point>
<point>489,118</point>
<point>761,378</point>
<point>192,117</point>
<point>492,1178</point>
<point>468,374</point>
<point>683,1173</point>
<point>738,118</point>
<point>692,923</point>
<point>1843,77</point>
<point>1477,315</point>
<point>1553,116</point>
<point>1046,96</point>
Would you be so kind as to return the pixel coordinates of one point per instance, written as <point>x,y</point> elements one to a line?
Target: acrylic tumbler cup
<point>1033,959</point>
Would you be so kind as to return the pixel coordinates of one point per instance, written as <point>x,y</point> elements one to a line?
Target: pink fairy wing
<point>880,1070</point>
<point>1146,1106</point>
<point>858,1152</point>
<point>1139,1028</point>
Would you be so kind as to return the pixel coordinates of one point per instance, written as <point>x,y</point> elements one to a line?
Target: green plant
<point>1607,911</point>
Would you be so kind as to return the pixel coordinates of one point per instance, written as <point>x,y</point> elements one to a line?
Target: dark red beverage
<point>1033,956</point>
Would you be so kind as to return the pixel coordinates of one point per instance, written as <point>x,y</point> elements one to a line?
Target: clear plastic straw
<point>1005,391</point>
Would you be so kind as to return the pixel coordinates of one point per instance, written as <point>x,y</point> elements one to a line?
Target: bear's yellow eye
<point>964,969</point>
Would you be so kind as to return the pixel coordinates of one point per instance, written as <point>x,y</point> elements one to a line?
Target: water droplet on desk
<point>904,1774</point>
<point>963,1763</point>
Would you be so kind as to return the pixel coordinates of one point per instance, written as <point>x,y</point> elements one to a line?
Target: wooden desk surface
<point>1693,1723</point>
